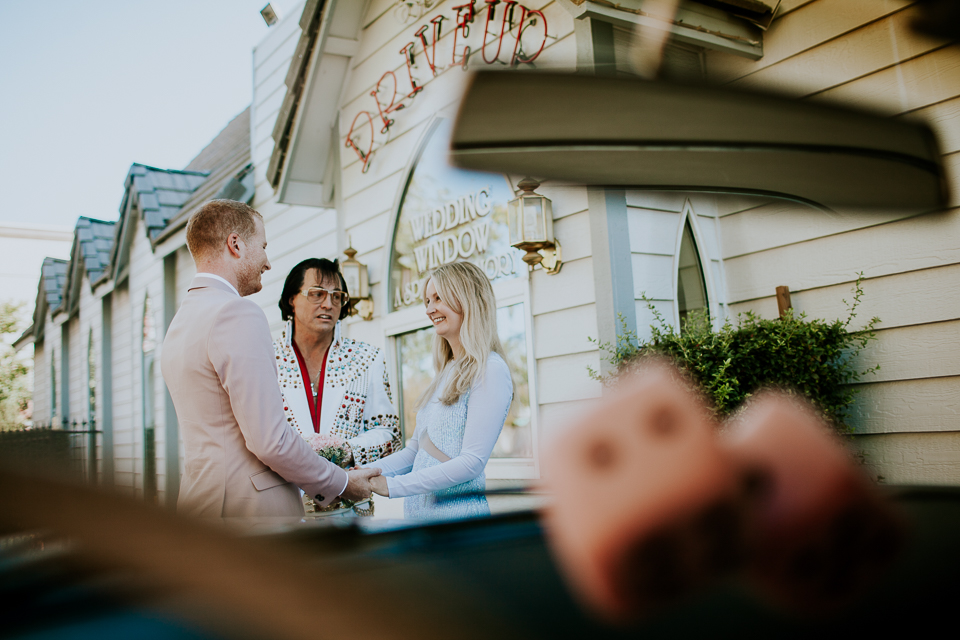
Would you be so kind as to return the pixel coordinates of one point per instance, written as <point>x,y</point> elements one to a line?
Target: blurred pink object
<point>651,503</point>
<point>646,504</point>
<point>321,441</point>
<point>821,530</point>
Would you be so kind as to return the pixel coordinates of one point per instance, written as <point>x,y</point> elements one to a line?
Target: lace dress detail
<point>447,426</point>
<point>467,435</point>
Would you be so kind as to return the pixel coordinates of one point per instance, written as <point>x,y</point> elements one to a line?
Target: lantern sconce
<point>531,227</point>
<point>358,284</point>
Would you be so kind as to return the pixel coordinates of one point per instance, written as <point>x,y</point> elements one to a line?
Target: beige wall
<point>293,232</point>
<point>862,53</point>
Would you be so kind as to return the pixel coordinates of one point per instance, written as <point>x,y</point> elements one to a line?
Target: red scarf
<point>316,403</point>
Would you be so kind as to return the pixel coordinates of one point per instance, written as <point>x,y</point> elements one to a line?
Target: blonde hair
<point>465,288</point>
<point>210,227</point>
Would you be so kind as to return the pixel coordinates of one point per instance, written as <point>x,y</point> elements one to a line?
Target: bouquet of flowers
<point>334,449</point>
<point>338,451</point>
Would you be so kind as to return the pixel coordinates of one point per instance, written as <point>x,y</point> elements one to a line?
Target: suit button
<point>318,498</point>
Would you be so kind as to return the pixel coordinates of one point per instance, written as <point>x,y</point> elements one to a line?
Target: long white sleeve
<point>400,462</point>
<point>486,410</point>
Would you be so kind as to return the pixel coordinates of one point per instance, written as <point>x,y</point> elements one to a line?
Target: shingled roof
<point>94,239</point>
<point>159,194</point>
<point>227,159</point>
<point>53,276</point>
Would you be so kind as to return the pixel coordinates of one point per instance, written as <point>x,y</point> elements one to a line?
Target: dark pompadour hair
<point>294,283</point>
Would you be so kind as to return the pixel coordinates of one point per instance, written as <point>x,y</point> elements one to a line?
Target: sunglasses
<point>317,295</point>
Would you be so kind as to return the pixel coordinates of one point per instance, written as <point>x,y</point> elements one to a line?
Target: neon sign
<point>526,27</point>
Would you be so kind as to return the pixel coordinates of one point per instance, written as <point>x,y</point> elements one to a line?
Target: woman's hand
<point>379,486</point>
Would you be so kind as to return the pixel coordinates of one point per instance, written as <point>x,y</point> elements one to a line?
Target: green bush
<point>14,369</point>
<point>812,357</point>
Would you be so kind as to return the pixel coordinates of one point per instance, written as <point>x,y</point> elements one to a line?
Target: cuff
<point>394,488</point>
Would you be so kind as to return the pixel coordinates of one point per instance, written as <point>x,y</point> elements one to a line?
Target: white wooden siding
<point>905,245</point>
<point>814,24</point>
<point>89,319</point>
<point>146,279</point>
<point>41,383</point>
<point>293,232</point>
<point>863,54</point>
<point>124,447</point>
<point>904,458</point>
<point>655,223</point>
<point>78,405</point>
<point>902,299</point>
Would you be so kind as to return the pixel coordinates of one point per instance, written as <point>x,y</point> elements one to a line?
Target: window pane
<point>515,440</point>
<point>447,215</point>
<point>416,373</point>
<point>691,290</point>
<point>91,381</point>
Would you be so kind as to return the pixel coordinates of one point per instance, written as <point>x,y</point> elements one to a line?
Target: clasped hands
<point>361,482</point>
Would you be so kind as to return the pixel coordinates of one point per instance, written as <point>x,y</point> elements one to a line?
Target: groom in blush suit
<point>242,458</point>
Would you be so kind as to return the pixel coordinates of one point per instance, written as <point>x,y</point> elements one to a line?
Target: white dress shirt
<point>216,277</point>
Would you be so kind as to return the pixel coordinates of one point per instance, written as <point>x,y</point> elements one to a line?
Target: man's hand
<point>379,485</point>
<point>358,484</point>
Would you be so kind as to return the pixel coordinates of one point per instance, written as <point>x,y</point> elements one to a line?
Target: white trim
<point>699,26</point>
<point>398,199</point>
<point>688,214</point>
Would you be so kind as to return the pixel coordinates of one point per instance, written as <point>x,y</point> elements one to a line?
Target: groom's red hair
<point>213,223</point>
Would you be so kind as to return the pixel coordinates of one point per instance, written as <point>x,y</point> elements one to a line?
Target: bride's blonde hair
<point>465,289</point>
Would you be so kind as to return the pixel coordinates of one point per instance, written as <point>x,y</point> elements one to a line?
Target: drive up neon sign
<point>512,35</point>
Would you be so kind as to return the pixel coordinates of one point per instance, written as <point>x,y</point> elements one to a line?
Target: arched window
<point>148,344</point>
<point>691,285</point>
<point>445,215</point>
<point>53,386</point>
<point>91,383</point>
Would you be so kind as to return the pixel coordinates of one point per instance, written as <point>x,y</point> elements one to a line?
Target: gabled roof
<point>296,78</point>
<point>159,194</point>
<point>220,150</point>
<point>227,159</point>
<point>53,276</point>
<point>92,245</point>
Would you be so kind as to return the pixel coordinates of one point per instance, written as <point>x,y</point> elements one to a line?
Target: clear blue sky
<point>88,88</point>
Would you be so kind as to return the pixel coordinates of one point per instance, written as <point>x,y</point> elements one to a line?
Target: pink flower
<point>320,441</point>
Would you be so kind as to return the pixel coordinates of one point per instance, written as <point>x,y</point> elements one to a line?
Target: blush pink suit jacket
<point>242,458</point>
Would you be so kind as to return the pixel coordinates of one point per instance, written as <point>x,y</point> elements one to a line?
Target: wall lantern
<point>531,227</point>
<point>358,284</point>
<point>269,15</point>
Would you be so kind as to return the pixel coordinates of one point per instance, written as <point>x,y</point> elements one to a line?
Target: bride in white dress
<point>461,414</point>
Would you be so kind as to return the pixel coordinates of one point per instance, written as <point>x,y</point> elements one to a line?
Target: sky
<point>88,88</point>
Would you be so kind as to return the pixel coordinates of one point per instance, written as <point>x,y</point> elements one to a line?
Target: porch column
<point>171,428</point>
<point>106,384</point>
<point>612,265</point>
